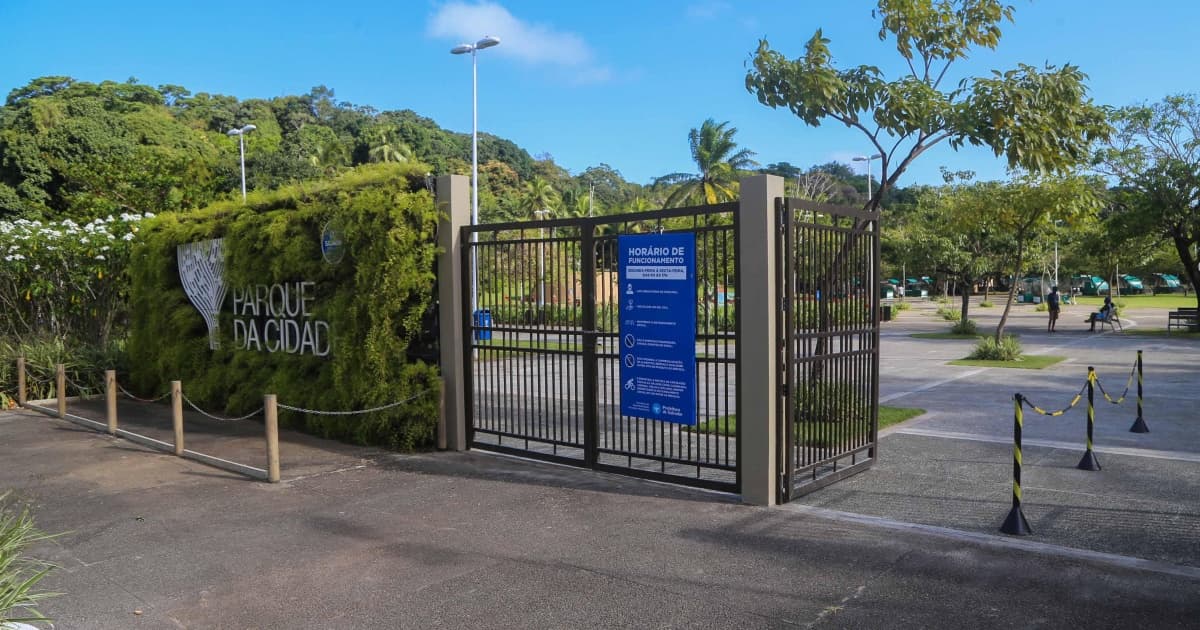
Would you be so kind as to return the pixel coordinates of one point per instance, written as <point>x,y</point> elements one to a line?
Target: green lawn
<point>814,433</point>
<point>1166,301</point>
<point>1027,362</point>
<point>895,415</point>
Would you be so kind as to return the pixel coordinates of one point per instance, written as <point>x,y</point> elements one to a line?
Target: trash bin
<point>885,313</point>
<point>483,325</point>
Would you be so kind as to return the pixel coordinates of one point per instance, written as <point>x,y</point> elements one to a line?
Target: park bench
<point>1184,318</point>
<point>1112,320</point>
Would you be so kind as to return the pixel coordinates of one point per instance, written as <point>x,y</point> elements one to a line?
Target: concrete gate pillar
<point>454,205</point>
<point>758,351</point>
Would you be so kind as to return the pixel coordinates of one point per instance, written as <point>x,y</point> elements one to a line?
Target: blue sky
<point>588,82</point>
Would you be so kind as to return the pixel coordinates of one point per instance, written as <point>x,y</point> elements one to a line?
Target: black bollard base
<point>1139,426</point>
<point>1015,524</point>
<point>1089,461</point>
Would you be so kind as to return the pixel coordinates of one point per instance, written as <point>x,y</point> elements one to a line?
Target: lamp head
<point>462,49</point>
<point>487,42</point>
<point>248,128</point>
<point>234,132</point>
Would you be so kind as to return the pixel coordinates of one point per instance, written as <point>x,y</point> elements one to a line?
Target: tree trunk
<point>964,287</point>
<point>1183,247</point>
<point>1012,289</point>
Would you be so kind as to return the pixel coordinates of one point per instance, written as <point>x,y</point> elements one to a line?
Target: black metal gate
<point>828,273</point>
<point>541,358</point>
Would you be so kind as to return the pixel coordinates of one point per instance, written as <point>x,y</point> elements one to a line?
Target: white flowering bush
<point>63,280</point>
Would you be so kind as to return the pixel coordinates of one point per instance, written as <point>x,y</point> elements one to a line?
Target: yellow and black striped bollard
<point>1016,524</point>
<point>1139,425</point>
<point>1089,456</point>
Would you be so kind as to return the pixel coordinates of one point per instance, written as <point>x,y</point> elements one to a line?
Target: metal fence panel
<point>829,336</point>
<point>543,372</point>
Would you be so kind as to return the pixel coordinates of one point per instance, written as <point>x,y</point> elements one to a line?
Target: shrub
<point>986,304</point>
<point>964,328</point>
<point>1042,307</point>
<point>84,366</point>
<point>941,299</point>
<point>901,306</point>
<point>830,401</point>
<point>64,280</point>
<point>1008,349</point>
<point>949,314</point>
<point>19,575</point>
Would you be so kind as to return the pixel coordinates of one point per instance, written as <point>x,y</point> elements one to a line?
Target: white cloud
<point>535,44</point>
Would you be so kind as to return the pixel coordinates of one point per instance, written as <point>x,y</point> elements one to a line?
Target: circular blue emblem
<point>332,248</point>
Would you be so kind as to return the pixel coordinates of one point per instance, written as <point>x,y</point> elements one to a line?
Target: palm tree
<point>329,156</point>
<point>537,195</point>
<point>719,160</point>
<point>385,146</point>
<point>579,208</point>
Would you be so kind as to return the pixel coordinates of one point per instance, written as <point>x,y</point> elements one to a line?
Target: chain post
<point>21,396</point>
<point>177,414</point>
<point>1139,424</point>
<point>1015,524</point>
<point>110,399</point>
<point>60,388</point>
<point>1089,456</point>
<point>271,417</point>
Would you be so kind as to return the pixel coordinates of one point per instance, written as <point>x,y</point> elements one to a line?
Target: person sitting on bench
<point>1105,312</point>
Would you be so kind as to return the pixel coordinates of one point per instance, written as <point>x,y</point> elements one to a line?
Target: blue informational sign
<point>658,326</point>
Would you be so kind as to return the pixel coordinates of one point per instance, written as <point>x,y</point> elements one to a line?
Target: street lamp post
<point>241,134</point>
<point>461,49</point>
<point>871,197</point>
<point>867,159</point>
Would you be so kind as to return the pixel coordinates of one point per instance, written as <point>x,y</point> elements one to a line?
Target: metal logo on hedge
<point>202,272</point>
<point>275,317</point>
<point>332,247</point>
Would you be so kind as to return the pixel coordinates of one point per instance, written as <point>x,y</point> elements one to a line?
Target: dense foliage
<point>73,149</point>
<point>377,302</point>
<point>64,280</point>
<point>1039,120</point>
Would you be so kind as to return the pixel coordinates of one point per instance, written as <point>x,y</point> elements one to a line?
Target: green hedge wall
<point>376,300</point>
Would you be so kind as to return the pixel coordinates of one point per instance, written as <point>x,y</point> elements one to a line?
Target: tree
<point>954,231</point>
<point>537,195</point>
<point>718,158</point>
<point>815,186</point>
<point>1155,153</point>
<point>384,145</point>
<point>1031,202</point>
<point>786,170</point>
<point>1040,120</point>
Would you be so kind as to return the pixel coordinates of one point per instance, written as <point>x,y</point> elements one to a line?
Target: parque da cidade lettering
<point>278,318</point>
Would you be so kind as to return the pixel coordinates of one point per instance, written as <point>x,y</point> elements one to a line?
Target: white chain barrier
<point>145,400</point>
<point>208,415</point>
<point>84,392</point>
<point>352,413</point>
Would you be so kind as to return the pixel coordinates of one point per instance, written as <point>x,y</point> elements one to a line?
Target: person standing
<point>1055,304</point>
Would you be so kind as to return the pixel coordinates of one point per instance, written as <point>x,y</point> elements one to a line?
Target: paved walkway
<point>359,538</point>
